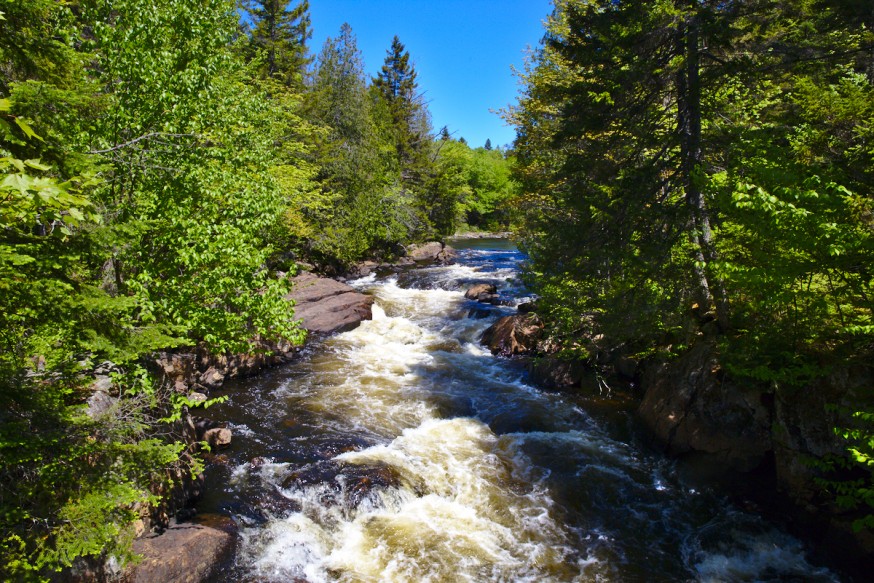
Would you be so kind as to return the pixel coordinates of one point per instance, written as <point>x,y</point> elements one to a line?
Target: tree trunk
<point>689,111</point>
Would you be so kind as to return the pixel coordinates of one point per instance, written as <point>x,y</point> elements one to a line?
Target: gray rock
<point>99,403</point>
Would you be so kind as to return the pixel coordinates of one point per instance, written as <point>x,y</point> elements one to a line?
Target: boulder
<point>433,251</point>
<point>218,437</point>
<point>326,306</point>
<point>211,378</point>
<point>513,335</point>
<point>185,553</point>
<point>474,292</point>
<point>690,407</point>
<point>425,251</point>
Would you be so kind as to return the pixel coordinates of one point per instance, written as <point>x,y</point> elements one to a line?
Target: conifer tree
<point>396,84</point>
<point>281,33</point>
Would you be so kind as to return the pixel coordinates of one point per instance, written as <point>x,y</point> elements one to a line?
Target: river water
<point>403,451</point>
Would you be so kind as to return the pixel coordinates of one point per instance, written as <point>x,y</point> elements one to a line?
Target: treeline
<point>692,161</point>
<point>161,160</point>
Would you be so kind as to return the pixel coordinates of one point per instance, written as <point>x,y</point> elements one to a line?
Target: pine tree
<point>488,145</point>
<point>281,34</point>
<point>396,85</point>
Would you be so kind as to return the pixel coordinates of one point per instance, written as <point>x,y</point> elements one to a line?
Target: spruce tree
<point>281,34</point>
<point>396,84</point>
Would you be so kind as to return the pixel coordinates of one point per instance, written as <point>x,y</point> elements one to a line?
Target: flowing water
<point>403,451</point>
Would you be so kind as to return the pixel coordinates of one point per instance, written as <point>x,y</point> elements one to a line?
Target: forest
<point>678,164</point>
<point>702,170</point>
<point>161,162</point>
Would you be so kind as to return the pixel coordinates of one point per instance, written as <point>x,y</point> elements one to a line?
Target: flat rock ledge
<point>187,552</point>
<point>326,306</point>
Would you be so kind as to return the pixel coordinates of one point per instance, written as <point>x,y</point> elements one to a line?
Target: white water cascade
<point>402,451</point>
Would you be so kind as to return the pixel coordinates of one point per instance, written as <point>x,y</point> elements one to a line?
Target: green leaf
<point>25,127</point>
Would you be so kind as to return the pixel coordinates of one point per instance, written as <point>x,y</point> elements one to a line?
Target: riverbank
<point>780,438</point>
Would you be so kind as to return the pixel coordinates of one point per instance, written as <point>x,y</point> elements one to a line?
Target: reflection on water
<point>402,451</point>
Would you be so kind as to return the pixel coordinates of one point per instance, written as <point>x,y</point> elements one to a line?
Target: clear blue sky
<point>462,51</point>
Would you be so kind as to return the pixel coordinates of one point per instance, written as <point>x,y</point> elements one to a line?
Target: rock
<point>212,378</point>
<point>474,292</point>
<point>512,335</point>
<point>362,269</point>
<point>188,552</point>
<point>326,306</point>
<point>433,251</point>
<point>526,308</point>
<point>197,397</point>
<point>99,403</point>
<point>554,373</point>
<point>425,252</point>
<point>218,437</point>
<point>690,407</point>
<point>102,383</point>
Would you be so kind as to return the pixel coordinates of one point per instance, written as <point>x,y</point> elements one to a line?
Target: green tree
<point>281,34</point>
<point>396,84</point>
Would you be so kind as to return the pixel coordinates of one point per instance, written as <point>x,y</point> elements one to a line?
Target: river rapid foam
<point>403,451</point>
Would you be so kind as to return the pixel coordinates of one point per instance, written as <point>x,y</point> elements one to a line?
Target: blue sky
<point>461,49</point>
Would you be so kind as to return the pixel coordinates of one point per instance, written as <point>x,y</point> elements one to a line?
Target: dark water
<point>402,451</point>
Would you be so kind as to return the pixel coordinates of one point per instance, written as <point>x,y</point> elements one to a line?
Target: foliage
<point>142,181</point>
<point>684,158</point>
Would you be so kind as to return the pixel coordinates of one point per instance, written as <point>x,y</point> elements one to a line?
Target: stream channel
<point>404,451</point>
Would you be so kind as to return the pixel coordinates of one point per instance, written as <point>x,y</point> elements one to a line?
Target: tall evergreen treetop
<point>281,33</point>
<point>396,85</point>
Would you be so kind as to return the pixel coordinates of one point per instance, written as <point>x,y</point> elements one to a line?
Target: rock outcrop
<point>513,335</point>
<point>185,552</point>
<point>326,306</point>
<point>433,251</point>
<point>690,406</point>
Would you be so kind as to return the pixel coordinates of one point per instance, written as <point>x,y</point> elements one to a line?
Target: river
<point>403,451</point>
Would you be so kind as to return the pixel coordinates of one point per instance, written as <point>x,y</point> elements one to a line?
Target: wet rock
<point>479,313</point>
<point>349,484</point>
<point>218,437</point>
<point>326,306</point>
<point>362,269</point>
<point>527,308</point>
<point>185,552</point>
<point>433,251</point>
<point>513,335</point>
<point>474,292</point>
<point>554,373</point>
<point>690,407</point>
<point>211,378</point>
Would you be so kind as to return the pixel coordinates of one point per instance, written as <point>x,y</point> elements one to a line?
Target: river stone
<point>474,292</point>
<point>326,306</point>
<point>218,437</point>
<point>513,335</point>
<point>211,378</point>
<point>185,553</point>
